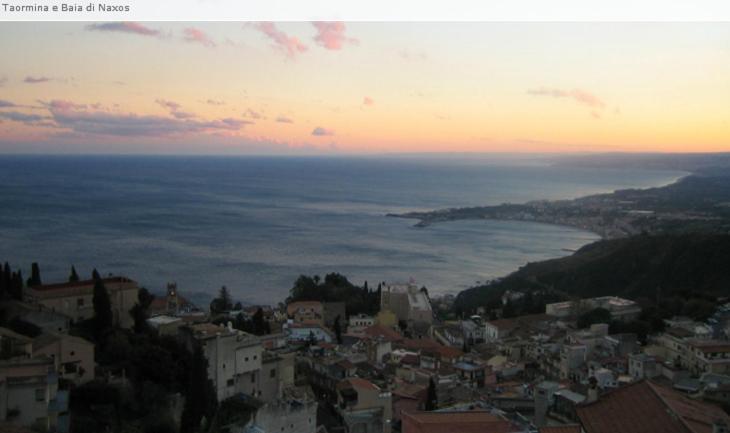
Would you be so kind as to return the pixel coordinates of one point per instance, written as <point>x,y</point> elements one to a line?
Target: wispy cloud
<point>368,101</point>
<point>284,119</point>
<point>80,120</point>
<point>124,27</point>
<point>290,45</point>
<point>36,80</point>
<point>580,96</point>
<point>17,116</point>
<point>215,102</point>
<point>253,114</point>
<point>331,35</point>
<point>7,104</point>
<point>192,34</point>
<point>322,132</point>
<point>3,80</point>
<point>174,109</point>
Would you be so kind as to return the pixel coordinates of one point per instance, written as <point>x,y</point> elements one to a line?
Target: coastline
<point>581,213</point>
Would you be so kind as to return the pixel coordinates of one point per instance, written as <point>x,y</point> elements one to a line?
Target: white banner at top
<point>366,10</point>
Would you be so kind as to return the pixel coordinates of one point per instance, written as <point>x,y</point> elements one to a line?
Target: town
<point>104,354</point>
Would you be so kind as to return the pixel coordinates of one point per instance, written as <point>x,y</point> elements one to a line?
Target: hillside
<point>660,269</point>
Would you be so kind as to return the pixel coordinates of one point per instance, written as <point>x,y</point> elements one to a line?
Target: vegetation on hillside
<point>336,288</point>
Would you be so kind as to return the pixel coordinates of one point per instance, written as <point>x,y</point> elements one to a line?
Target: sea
<point>255,223</point>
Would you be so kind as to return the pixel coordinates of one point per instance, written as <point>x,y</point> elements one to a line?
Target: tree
<point>200,399</point>
<point>74,277</point>
<point>103,318</point>
<point>35,275</point>
<point>140,311</point>
<point>431,396</point>
<point>16,285</point>
<point>338,329</point>
<point>95,275</point>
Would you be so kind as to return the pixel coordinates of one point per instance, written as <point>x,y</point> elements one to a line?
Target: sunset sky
<point>312,88</point>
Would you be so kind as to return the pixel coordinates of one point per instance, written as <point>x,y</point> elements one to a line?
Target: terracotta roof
<point>82,283</point>
<point>455,422</point>
<point>645,407</point>
<point>378,331</point>
<point>421,344</point>
<point>356,382</point>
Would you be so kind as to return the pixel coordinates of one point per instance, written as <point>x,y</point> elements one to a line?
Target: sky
<point>363,88</point>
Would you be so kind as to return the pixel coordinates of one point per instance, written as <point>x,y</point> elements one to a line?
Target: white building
<point>358,323</point>
<point>620,308</point>
<point>29,395</point>
<point>234,358</point>
<point>407,302</point>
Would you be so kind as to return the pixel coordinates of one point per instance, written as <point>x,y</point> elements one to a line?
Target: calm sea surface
<point>255,223</point>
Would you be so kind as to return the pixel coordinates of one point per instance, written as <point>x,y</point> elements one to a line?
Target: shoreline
<point>560,213</point>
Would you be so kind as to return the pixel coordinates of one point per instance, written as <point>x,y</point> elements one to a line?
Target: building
<point>29,395</point>
<point>456,422</point>
<point>501,328</point>
<point>709,356</point>
<point>646,407</point>
<point>73,357</point>
<point>14,345</point>
<point>363,406</point>
<point>234,358</point>
<point>75,299</point>
<point>301,332</point>
<point>408,303</point>
<point>620,308</point>
<point>294,412</point>
<point>165,325</point>
<point>173,304</point>
<point>358,323</point>
<point>643,366</point>
<point>306,312</point>
<point>277,374</point>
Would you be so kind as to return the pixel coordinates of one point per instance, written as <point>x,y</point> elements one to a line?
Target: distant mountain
<point>649,268</point>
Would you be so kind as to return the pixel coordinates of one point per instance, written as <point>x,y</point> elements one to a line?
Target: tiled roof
<point>356,382</point>
<point>645,407</point>
<point>378,331</point>
<point>455,422</point>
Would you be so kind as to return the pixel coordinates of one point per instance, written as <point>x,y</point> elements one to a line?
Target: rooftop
<point>646,407</point>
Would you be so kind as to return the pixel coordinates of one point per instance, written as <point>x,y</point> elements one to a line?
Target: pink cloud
<point>198,36</point>
<point>174,109</point>
<point>124,27</point>
<point>284,119</point>
<point>368,101</point>
<point>331,35</point>
<point>290,45</point>
<point>79,119</point>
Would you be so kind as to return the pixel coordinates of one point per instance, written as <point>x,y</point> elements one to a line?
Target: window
<point>246,359</point>
<point>80,302</point>
<point>272,373</point>
<point>40,394</point>
<point>254,357</point>
<point>253,378</point>
<point>229,382</point>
